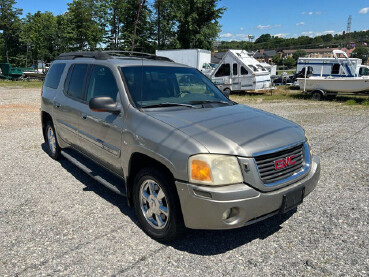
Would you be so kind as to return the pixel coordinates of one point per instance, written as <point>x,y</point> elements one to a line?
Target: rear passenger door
<point>67,105</point>
<point>101,132</point>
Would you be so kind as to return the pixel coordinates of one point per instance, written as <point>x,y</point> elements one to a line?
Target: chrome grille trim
<point>270,177</point>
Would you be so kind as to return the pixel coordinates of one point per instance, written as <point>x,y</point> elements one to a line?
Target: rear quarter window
<point>53,76</point>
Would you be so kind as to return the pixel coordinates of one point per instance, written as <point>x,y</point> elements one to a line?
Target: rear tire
<point>157,205</point>
<point>53,148</point>
<point>227,90</point>
<point>317,95</point>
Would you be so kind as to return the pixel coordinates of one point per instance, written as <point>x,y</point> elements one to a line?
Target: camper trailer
<point>238,71</point>
<point>335,67</point>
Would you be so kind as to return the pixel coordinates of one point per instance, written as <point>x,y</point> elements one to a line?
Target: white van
<point>238,71</point>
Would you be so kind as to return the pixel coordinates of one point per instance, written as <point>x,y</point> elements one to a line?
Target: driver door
<point>101,132</point>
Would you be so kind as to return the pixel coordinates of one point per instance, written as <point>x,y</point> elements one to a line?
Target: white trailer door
<point>236,84</point>
<point>246,79</point>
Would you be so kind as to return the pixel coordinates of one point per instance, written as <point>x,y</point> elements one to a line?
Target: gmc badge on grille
<point>282,163</point>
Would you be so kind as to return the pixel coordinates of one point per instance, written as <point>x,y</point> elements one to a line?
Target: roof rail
<point>111,54</point>
<point>98,55</point>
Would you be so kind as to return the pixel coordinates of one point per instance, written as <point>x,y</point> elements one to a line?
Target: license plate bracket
<point>292,199</point>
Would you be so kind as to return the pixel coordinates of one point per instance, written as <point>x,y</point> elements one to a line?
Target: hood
<point>233,130</point>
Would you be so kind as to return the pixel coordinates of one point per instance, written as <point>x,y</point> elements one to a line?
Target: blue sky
<point>284,18</point>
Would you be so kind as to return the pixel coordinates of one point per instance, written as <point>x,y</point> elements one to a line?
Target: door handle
<point>84,116</point>
<point>57,105</point>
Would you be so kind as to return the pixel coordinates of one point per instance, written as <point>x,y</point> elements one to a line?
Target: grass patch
<point>355,101</point>
<point>21,84</point>
<point>286,93</point>
<point>351,102</point>
<point>280,93</point>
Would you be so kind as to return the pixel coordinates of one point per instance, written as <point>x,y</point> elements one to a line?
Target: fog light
<point>226,214</point>
<point>231,216</point>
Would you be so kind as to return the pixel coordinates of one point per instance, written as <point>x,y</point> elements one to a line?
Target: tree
<point>166,24</point>
<point>289,62</point>
<point>299,53</point>
<point>137,26</point>
<point>198,25</point>
<point>10,27</point>
<point>141,5</point>
<point>276,59</point>
<point>361,53</point>
<point>327,37</point>
<point>263,38</point>
<point>39,34</point>
<point>84,19</point>
<point>113,19</point>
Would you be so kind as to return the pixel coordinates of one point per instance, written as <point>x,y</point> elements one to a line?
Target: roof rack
<point>111,54</point>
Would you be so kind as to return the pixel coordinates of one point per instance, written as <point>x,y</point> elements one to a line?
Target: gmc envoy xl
<point>161,134</point>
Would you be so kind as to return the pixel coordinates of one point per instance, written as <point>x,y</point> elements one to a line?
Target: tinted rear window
<point>53,76</point>
<point>77,75</point>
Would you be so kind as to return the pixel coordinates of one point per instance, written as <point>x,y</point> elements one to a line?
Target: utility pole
<point>348,30</point>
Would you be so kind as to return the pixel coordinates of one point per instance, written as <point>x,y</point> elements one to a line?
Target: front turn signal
<point>200,171</point>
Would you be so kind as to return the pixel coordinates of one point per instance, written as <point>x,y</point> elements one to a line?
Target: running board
<point>95,171</point>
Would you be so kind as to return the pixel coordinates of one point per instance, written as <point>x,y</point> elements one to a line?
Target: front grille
<point>266,164</point>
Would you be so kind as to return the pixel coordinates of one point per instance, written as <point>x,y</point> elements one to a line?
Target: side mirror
<point>104,104</point>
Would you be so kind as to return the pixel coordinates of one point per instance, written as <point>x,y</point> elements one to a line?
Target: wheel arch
<point>45,117</point>
<point>139,161</point>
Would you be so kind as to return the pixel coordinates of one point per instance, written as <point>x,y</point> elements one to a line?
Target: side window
<point>53,76</point>
<point>336,68</point>
<point>75,80</point>
<point>244,71</point>
<point>235,72</point>
<point>102,83</point>
<point>224,70</point>
<point>364,71</point>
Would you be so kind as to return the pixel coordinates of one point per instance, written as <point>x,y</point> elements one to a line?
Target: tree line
<point>268,42</point>
<point>132,25</point>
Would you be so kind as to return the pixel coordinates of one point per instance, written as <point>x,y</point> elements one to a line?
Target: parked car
<point>164,136</point>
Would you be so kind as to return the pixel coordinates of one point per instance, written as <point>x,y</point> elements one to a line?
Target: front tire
<point>53,148</point>
<point>157,205</point>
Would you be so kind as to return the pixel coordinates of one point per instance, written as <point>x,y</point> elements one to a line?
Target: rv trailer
<point>238,71</point>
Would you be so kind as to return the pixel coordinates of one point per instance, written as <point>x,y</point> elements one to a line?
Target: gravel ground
<point>55,220</point>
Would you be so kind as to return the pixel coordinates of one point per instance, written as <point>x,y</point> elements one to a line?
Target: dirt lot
<point>55,220</point>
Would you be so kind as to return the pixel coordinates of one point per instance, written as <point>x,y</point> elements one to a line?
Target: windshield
<point>155,85</point>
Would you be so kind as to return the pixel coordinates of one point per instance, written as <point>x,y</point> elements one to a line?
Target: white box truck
<point>197,58</point>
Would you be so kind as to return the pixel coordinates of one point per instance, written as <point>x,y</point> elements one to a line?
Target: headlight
<point>211,169</point>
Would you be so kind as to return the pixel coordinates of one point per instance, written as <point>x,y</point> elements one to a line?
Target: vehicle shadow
<point>199,242</point>
<point>213,242</point>
<point>94,186</point>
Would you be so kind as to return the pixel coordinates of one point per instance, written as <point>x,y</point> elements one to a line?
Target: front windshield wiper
<point>213,101</point>
<point>166,104</point>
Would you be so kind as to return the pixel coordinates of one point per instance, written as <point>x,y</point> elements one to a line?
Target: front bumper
<point>203,207</point>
